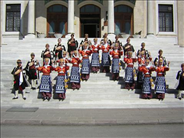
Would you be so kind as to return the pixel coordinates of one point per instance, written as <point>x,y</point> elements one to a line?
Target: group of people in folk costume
<point>80,55</point>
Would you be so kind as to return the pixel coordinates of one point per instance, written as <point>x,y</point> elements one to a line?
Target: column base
<point>111,37</point>
<point>150,36</point>
<point>30,36</point>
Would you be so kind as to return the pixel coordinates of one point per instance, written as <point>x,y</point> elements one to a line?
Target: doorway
<point>90,21</point>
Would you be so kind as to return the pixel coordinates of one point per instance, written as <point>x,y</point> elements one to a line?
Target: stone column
<point>0,24</point>
<point>150,13</point>
<point>70,16</point>
<point>180,32</point>
<point>31,19</point>
<point>111,19</point>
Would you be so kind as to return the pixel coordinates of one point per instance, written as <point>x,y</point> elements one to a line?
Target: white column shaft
<point>31,17</point>
<point>111,16</point>
<point>70,16</point>
<point>150,17</point>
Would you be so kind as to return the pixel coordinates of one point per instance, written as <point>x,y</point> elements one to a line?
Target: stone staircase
<point>99,91</point>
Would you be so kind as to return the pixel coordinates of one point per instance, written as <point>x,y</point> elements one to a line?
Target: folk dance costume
<point>107,40</point>
<point>157,59</point>
<point>129,72</point>
<point>46,84</point>
<point>105,58</point>
<point>66,61</point>
<point>61,81</point>
<point>180,78</point>
<point>160,83</point>
<point>72,45</point>
<point>85,71</point>
<point>146,53</point>
<point>140,75</point>
<point>147,80</point>
<point>47,54</point>
<point>116,54</point>
<point>95,63</point>
<point>31,71</point>
<point>75,72</point>
<point>128,47</point>
<point>19,80</point>
<point>58,51</point>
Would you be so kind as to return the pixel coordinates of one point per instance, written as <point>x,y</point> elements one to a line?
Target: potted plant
<point>41,35</point>
<point>124,35</point>
<point>58,35</point>
<point>137,35</point>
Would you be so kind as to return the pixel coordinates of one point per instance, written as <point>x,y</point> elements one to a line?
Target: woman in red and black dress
<point>160,83</point>
<point>75,71</point>
<point>106,63</point>
<point>60,88</point>
<point>46,84</point>
<point>129,71</point>
<point>85,70</point>
<point>116,55</point>
<point>95,63</point>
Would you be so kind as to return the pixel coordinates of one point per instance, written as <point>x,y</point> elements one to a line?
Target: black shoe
<point>33,88</point>
<point>15,98</point>
<point>179,98</point>
<point>24,98</point>
<point>48,98</point>
<point>44,98</point>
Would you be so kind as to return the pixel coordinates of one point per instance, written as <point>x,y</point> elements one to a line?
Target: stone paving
<point>93,116</point>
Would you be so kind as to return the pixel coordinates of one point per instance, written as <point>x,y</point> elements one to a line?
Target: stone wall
<point>41,16</point>
<point>140,18</point>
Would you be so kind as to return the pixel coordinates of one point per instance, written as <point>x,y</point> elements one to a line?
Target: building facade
<point>27,18</point>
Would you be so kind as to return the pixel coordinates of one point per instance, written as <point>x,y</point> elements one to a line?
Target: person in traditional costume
<point>129,71</point>
<point>156,61</point>
<point>61,81</point>
<point>86,52</point>
<point>106,62</point>
<point>31,71</point>
<point>72,45</point>
<point>141,62</point>
<point>66,64</point>
<point>146,53</point>
<point>19,80</point>
<point>86,40</point>
<point>95,61</point>
<point>117,41</point>
<point>180,78</point>
<point>128,47</point>
<point>116,55</point>
<point>160,82</point>
<point>75,71</point>
<point>147,69</point>
<point>45,87</point>
<point>47,53</point>
<point>58,50</point>
<point>108,40</point>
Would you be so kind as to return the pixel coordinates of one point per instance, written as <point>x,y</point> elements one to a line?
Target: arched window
<point>57,19</point>
<point>123,19</point>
